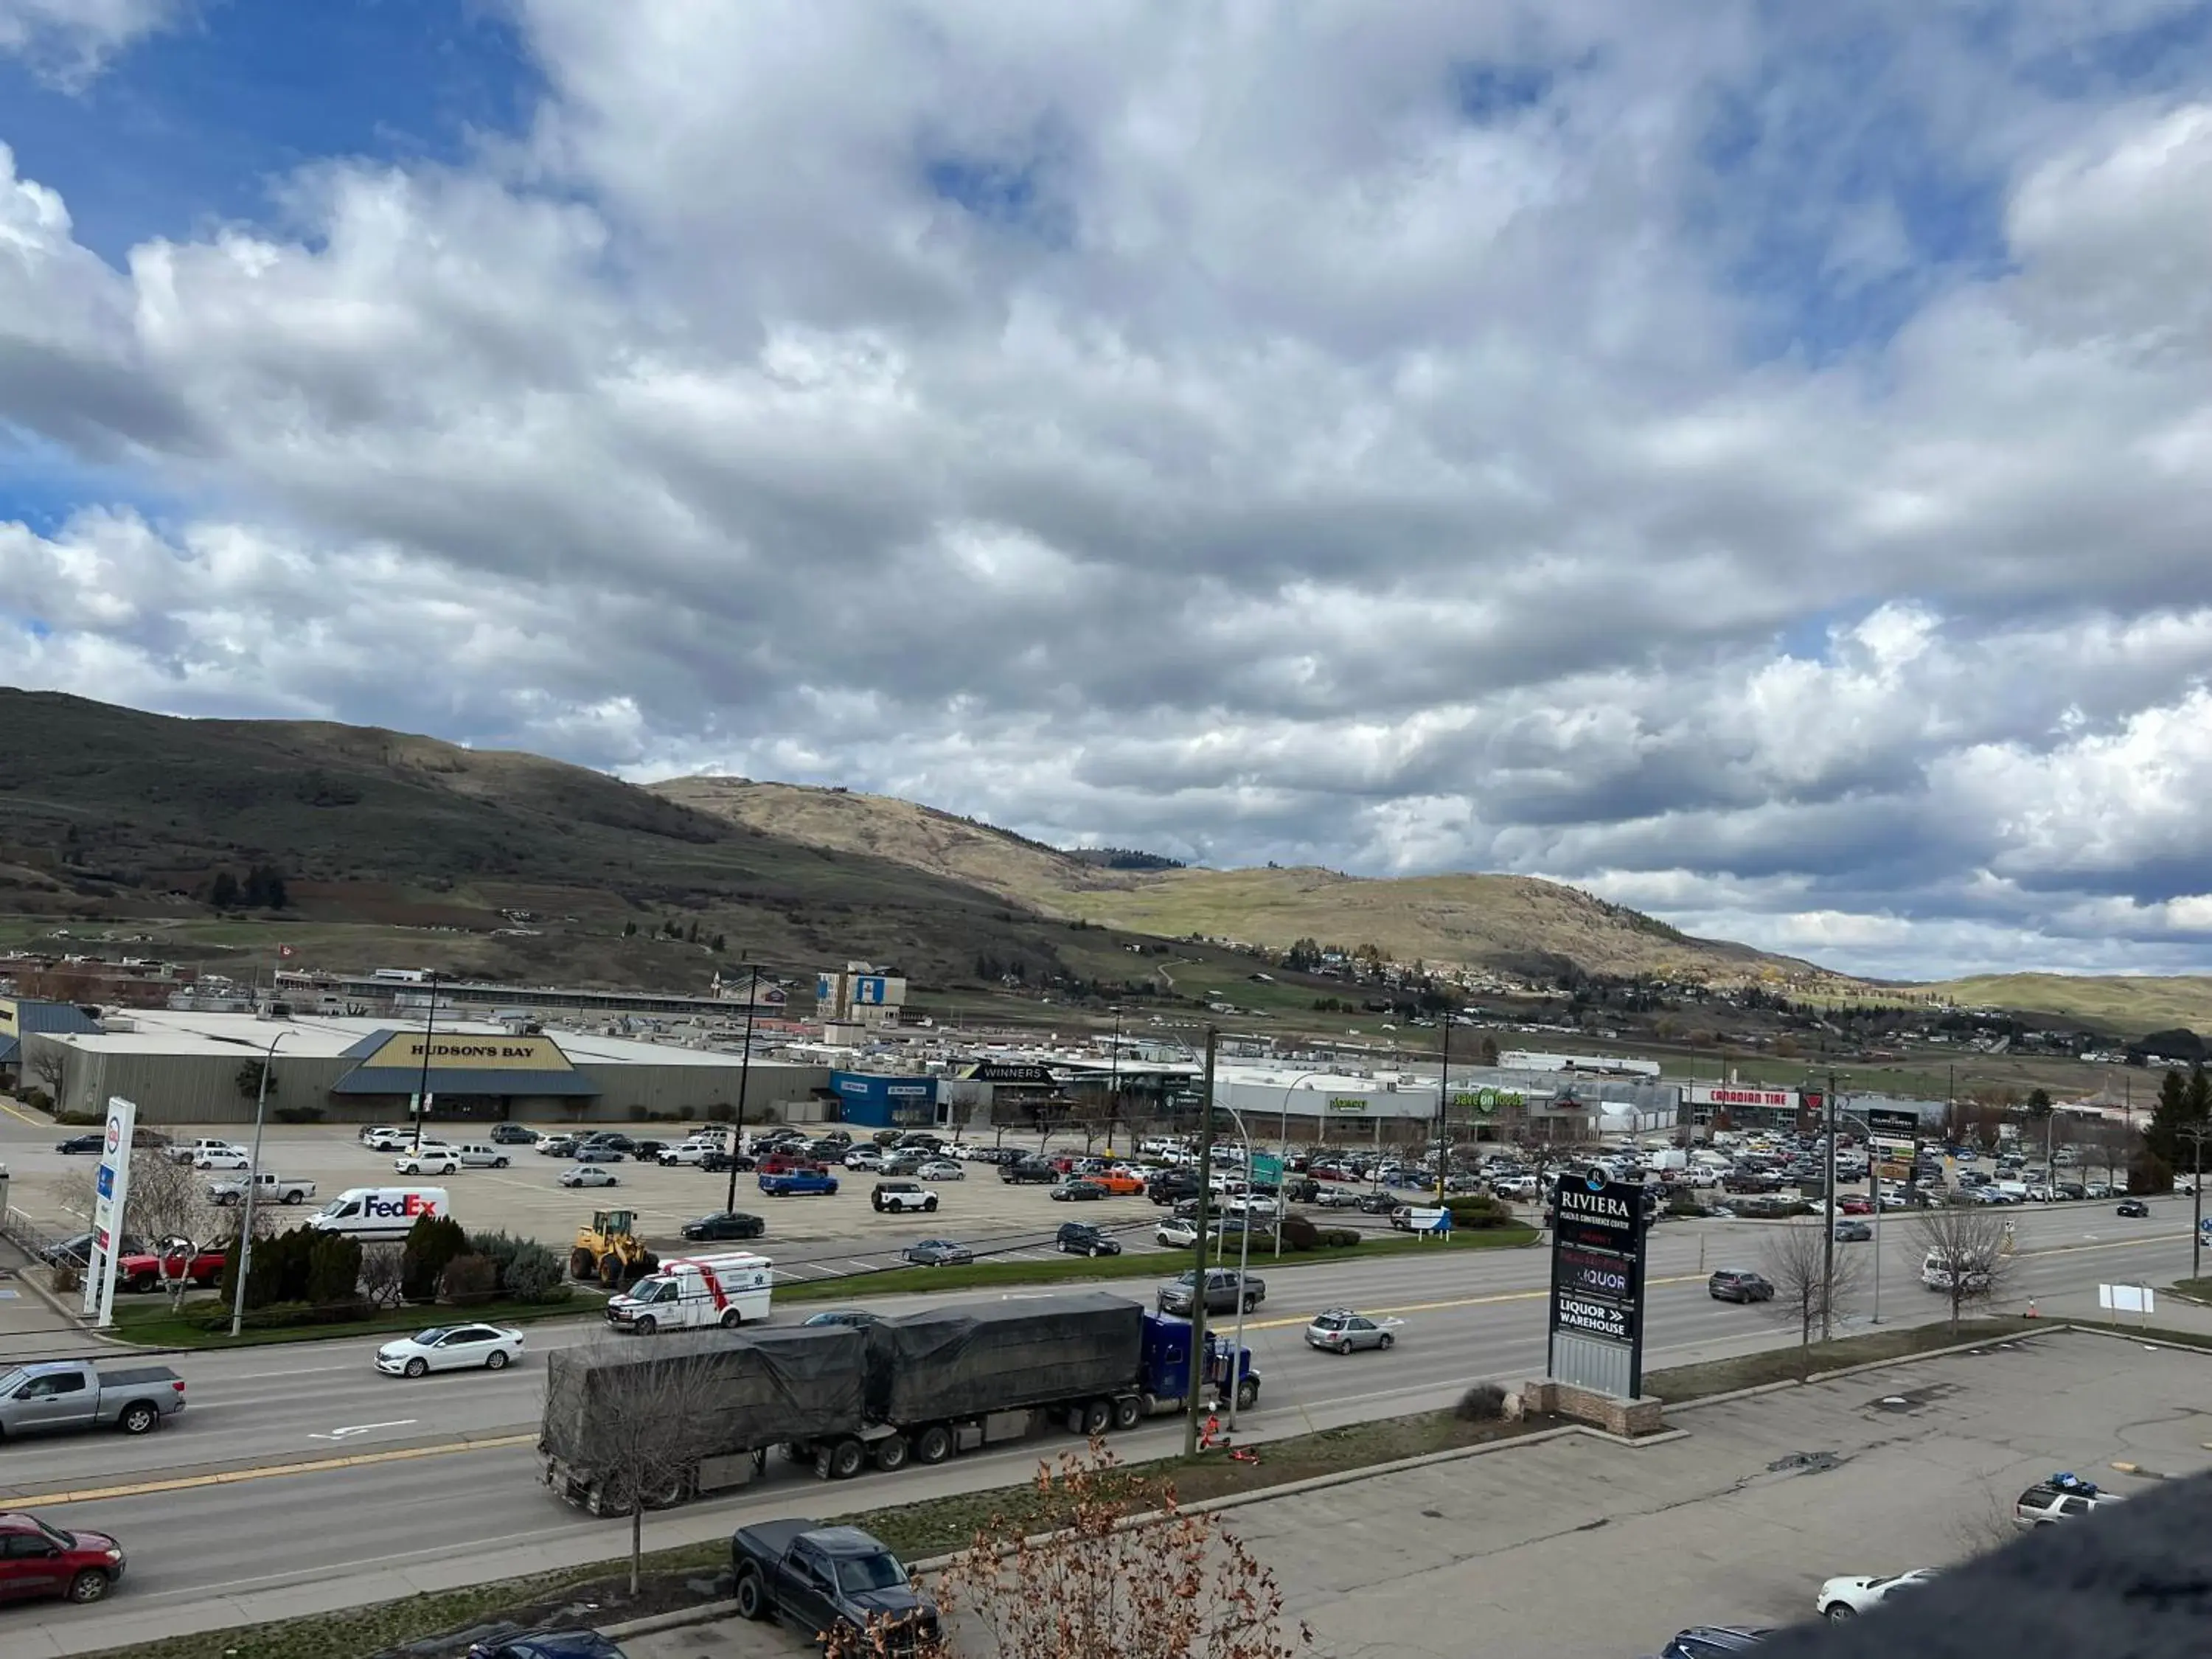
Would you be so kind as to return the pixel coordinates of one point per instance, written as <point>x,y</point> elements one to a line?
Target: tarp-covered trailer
<point>723,1397</point>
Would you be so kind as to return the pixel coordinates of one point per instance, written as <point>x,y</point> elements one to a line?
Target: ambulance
<point>686,1292</point>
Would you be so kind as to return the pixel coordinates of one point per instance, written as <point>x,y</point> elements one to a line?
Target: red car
<point>38,1560</point>
<point>1856,1205</point>
<point>143,1272</point>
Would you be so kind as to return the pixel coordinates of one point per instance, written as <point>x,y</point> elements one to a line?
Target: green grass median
<point>1083,1269</point>
<point>153,1323</point>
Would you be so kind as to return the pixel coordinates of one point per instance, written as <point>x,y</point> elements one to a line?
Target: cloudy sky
<point>1755,467</point>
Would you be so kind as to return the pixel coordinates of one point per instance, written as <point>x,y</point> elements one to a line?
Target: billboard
<point>1596,1338</point>
<point>869,990</point>
<point>111,1197</point>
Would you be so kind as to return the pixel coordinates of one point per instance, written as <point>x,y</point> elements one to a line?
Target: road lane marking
<point>271,1471</point>
<point>348,1432</point>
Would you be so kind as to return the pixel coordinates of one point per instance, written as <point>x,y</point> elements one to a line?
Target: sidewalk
<point>34,1323</point>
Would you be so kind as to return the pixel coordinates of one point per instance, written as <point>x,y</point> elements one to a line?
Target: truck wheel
<point>1096,1416</point>
<point>1250,1303</point>
<point>731,1319</point>
<point>891,1453</point>
<point>647,1325</point>
<point>671,1492</point>
<point>295,1196</point>
<point>1128,1411</point>
<point>581,1264</point>
<point>1248,1394</point>
<point>846,1458</point>
<point>929,1205</point>
<point>751,1595</point>
<point>137,1418</point>
<point>90,1585</point>
<point>933,1444</point>
<point>145,1282</point>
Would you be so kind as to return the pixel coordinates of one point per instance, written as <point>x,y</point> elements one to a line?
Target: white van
<point>371,1213</point>
<point>729,1291</point>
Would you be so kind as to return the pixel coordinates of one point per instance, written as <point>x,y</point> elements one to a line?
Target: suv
<point>1029,1170</point>
<point>513,1134</point>
<point>37,1559</point>
<point>1081,1238</point>
<point>2059,1499</point>
<point>902,1195</point>
<point>1739,1284</point>
<point>1225,1290</point>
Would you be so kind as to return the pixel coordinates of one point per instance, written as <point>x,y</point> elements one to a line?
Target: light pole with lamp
<point>1283,1177</point>
<point>745,1076</point>
<point>253,1182</point>
<point>2196,1134</point>
<point>1243,1264</point>
<point>422,1086</point>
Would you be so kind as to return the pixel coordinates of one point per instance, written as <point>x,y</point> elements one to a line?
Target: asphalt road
<point>439,1486</point>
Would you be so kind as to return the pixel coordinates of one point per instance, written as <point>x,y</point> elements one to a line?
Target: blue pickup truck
<point>799,1184</point>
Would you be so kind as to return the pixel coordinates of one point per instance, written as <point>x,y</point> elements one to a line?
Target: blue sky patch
<point>1485,92</point>
<point>191,125</point>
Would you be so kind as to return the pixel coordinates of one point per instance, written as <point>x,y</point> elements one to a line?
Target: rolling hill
<point>1510,924</point>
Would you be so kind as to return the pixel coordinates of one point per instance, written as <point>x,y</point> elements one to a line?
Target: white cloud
<point>1512,437</point>
<point>68,40</point>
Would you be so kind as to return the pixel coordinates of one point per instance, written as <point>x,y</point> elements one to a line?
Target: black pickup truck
<point>821,1579</point>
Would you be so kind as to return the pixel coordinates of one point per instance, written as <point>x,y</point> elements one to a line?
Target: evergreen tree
<point>224,894</point>
<point>2181,1102</point>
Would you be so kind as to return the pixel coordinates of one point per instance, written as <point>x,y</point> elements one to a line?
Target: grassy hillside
<point>1509,923</point>
<point>2129,1004</point>
<point>109,813</point>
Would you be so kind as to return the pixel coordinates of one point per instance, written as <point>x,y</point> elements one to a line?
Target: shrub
<point>40,1101</point>
<point>432,1242</point>
<point>1340,1238</point>
<point>68,1281</point>
<point>333,1269</point>
<point>721,1112</point>
<point>639,1114</point>
<point>1685,1204</point>
<point>1473,1210</point>
<point>469,1280</point>
<point>1299,1233</point>
<point>534,1275</point>
<point>1483,1403</point>
<point>2149,1173</point>
<point>298,1113</point>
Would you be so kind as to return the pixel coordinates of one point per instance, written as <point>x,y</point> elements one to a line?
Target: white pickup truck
<point>267,1189</point>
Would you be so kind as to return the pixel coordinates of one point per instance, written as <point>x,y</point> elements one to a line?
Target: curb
<point>708,1611</point>
<point>1758,1388</point>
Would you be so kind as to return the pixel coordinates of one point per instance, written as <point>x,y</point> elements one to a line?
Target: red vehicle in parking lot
<point>145,1271</point>
<point>38,1560</point>
<point>1856,1205</point>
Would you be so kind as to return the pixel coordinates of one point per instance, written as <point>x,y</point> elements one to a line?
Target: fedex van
<point>728,1290</point>
<point>373,1214</point>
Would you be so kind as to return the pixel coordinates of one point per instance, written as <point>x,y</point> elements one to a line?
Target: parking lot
<point>1737,1522</point>
<point>808,1238</point>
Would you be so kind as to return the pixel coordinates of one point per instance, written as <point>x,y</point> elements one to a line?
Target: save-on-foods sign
<point>1487,1100</point>
<point>1717,1094</point>
<point>465,1052</point>
<point>1347,1103</point>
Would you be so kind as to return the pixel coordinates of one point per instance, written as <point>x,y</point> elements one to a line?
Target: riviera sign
<point>1597,1285</point>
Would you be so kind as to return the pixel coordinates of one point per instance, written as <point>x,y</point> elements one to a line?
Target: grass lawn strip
<point>598,1595</point>
<point>151,1323</point>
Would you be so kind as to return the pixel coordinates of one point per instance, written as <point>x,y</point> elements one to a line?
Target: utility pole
<point>252,1187</point>
<point>1113,1081</point>
<point>1198,1288</point>
<point>1443,1123</point>
<point>2196,1134</point>
<point>1828,1232</point>
<point>745,1076</point>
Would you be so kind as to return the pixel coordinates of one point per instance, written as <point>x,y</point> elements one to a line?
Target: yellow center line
<point>227,1477</point>
<point>1220,1321</point>
<point>14,1110</point>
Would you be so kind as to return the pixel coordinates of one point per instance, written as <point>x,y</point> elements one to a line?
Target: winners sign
<point>1597,1285</point>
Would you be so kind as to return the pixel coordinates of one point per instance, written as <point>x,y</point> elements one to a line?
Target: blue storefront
<point>877,1100</point>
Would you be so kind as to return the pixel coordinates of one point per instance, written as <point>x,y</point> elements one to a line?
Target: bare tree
<point>166,1206</point>
<point>1968,1250</point>
<point>48,1063</point>
<point>383,1270</point>
<point>1130,1575</point>
<point>640,1414</point>
<point>1806,1292</point>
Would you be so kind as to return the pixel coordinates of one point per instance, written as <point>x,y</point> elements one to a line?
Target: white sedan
<point>226,1157</point>
<point>941,1169</point>
<point>1847,1598</point>
<point>450,1348</point>
<point>590,1175</point>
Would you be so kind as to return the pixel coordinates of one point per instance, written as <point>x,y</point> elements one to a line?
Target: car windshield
<point>425,1337</point>
<point>857,1574</point>
<point>55,1534</point>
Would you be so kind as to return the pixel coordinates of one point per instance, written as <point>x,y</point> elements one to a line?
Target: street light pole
<point>1244,1261</point>
<point>1283,1152</point>
<point>745,1076</point>
<point>252,1183</point>
<point>1443,1122</point>
<point>2196,1134</point>
<point>1197,1403</point>
<point>1828,1233</point>
<point>422,1088</point>
<point>1113,1081</point>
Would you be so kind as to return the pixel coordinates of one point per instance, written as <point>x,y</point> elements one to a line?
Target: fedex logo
<point>408,1204</point>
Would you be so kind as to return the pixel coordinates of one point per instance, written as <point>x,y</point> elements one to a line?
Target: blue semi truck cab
<point>1166,1360</point>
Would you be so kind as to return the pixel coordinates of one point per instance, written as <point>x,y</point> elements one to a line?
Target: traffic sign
<point>1266,1169</point>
